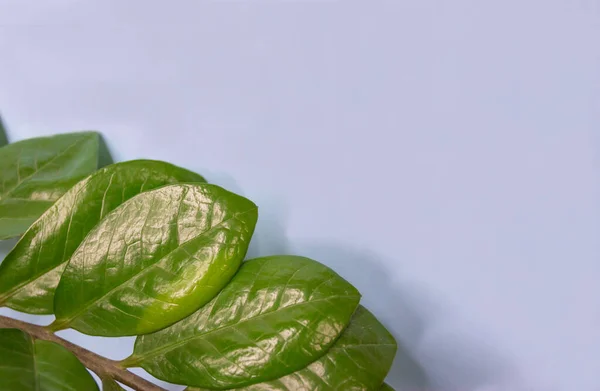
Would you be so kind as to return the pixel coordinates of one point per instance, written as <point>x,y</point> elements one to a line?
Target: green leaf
<point>109,384</point>
<point>3,137</point>
<point>31,271</point>
<point>155,259</point>
<point>276,316</point>
<point>359,360</point>
<point>36,172</point>
<point>35,365</point>
<point>386,387</point>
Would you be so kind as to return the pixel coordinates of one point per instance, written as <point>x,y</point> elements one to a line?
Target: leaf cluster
<point>145,248</point>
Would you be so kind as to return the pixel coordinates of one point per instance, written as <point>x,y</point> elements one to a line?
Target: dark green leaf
<point>109,384</point>
<point>359,361</point>
<point>386,387</point>
<point>276,316</point>
<point>36,172</point>
<point>155,259</point>
<point>31,271</point>
<point>36,365</point>
<point>3,137</point>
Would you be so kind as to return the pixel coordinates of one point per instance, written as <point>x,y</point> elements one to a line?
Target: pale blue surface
<point>441,155</point>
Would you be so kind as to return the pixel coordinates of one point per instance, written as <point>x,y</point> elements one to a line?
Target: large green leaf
<point>35,365</point>
<point>386,387</point>
<point>276,316</point>
<point>155,259</point>
<point>36,172</point>
<point>30,272</point>
<point>109,384</point>
<point>359,361</point>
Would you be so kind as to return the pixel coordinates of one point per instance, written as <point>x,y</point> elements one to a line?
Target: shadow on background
<point>405,321</point>
<point>430,355</point>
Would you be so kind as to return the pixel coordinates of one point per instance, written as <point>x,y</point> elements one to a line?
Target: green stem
<point>129,362</point>
<point>102,366</point>
<point>56,326</point>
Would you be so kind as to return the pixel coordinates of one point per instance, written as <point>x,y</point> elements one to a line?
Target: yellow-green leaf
<point>358,361</point>
<point>109,384</point>
<point>276,316</point>
<point>155,259</point>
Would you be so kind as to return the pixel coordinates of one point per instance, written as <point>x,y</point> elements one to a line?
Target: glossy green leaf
<point>36,172</point>
<point>109,384</point>
<point>386,387</point>
<point>276,316</point>
<point>35,365</point>
<point>30,272</point>
<point>359,361</point>
<point>155,259</point>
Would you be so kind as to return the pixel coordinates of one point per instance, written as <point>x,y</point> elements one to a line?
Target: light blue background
<point>441,155</point>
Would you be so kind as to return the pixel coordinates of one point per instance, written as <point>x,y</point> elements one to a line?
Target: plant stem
<point>102,366</point>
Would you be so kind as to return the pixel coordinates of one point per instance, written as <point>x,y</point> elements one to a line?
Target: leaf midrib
<point>36,276</point>
<point>67,321</point>
<point>16,288</point>
<point>36,377</point>
<point>155,352</point>
<point>4,196</point>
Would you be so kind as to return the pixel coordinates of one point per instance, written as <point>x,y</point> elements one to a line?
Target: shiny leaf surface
<point>36,172</point>
<point>276,316</point>
<point>359,361</point>
<point>109,384</point>
<point>31,271</point>
<point>34,365</point>
<point>155,259</point>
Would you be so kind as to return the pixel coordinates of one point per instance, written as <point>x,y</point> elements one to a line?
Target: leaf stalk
<point>102,366</point>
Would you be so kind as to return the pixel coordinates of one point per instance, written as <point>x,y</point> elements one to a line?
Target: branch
<point>102,366</point>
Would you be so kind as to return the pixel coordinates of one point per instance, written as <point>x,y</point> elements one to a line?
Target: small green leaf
<point>109,384</point>
<point>35,365</point>
<point>386,387</point>
<point>277,315</point>
<point>359,360</point>
<point>36,172</point>
<point>30,272</point>
<point>155,259</point>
